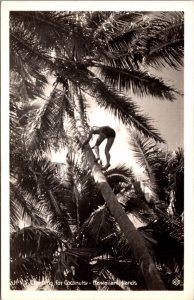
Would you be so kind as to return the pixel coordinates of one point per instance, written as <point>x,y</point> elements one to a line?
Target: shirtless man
<point>104,132</point>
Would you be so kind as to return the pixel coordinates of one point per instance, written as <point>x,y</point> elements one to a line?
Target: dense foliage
<point>70,234</point>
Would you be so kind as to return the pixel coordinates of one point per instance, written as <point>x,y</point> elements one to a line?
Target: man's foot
<point>106,167</point>
<point>98,161</point>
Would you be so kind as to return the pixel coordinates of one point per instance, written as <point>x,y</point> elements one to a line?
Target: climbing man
<point>104,132</point>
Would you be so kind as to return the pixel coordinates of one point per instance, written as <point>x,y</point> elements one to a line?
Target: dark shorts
<point>109,132</point>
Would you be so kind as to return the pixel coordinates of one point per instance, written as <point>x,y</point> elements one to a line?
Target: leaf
<point>140,83</point>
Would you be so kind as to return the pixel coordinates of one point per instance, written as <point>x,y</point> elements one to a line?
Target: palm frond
<point>124,44</point>
<point>140,83</point>
<point>59,23</point>
<point>14,128</point>
<point>29,52</point>
<point>138,206</point>
<point>22,203</point>
<point>40,178</point>
<point>65,27</point>
<point>53,112</point>
<point>29,82</point>
<point>120,106</point>
<point>90,199</point>
<point>169,234</point>
<point>26,269</point>
<point>99,224</point>
<point>115,27</point>
<point>119,177</point>
<point>145,151</point>
<point>155,39</point>
<point>165,40</point>
<point>31,253</point>
<point>35,240</point>
<point>95,19</point>
<point>122,171</point>
<point>166,54</point>
<point>154,161</point>
<point>48,123</point>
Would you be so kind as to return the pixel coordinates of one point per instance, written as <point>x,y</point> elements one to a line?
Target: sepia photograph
<point>96,150</point>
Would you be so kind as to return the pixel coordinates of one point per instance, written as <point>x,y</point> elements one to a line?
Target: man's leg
<point>96,146</point>
<point>107,151</point>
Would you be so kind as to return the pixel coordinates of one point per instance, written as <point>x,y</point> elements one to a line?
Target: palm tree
<point>98,235</point>
<point>83,64</point>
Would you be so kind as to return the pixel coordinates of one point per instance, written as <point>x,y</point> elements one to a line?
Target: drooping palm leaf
<point>21,204</point>
<point>32,253</point>
<point>140,83</point>
<point>98,225</point>
<point>167,54</point>
<point>156,39</point>
<point>120,172</point>
<point>29,52</point>
<point>145,151</point>
<point>169,234</point>
<point>25,270</point>
<point>83,106</point>
<point>57,22</point>
<point>48,123</point>
<point>35,240</point>
<point>120,106</point>
<point>155,162</point>
<point>117,25</point>
<point>168,48</point>
<point>40,178</point>
<point>29,81</point>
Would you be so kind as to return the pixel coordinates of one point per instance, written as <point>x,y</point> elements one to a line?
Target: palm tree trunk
<point>136,241</point>
<point>134,238</point>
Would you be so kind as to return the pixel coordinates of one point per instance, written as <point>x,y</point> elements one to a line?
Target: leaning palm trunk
<point>135,240</point>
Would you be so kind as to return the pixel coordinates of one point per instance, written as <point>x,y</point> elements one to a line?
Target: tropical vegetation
<point>77,233</point>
